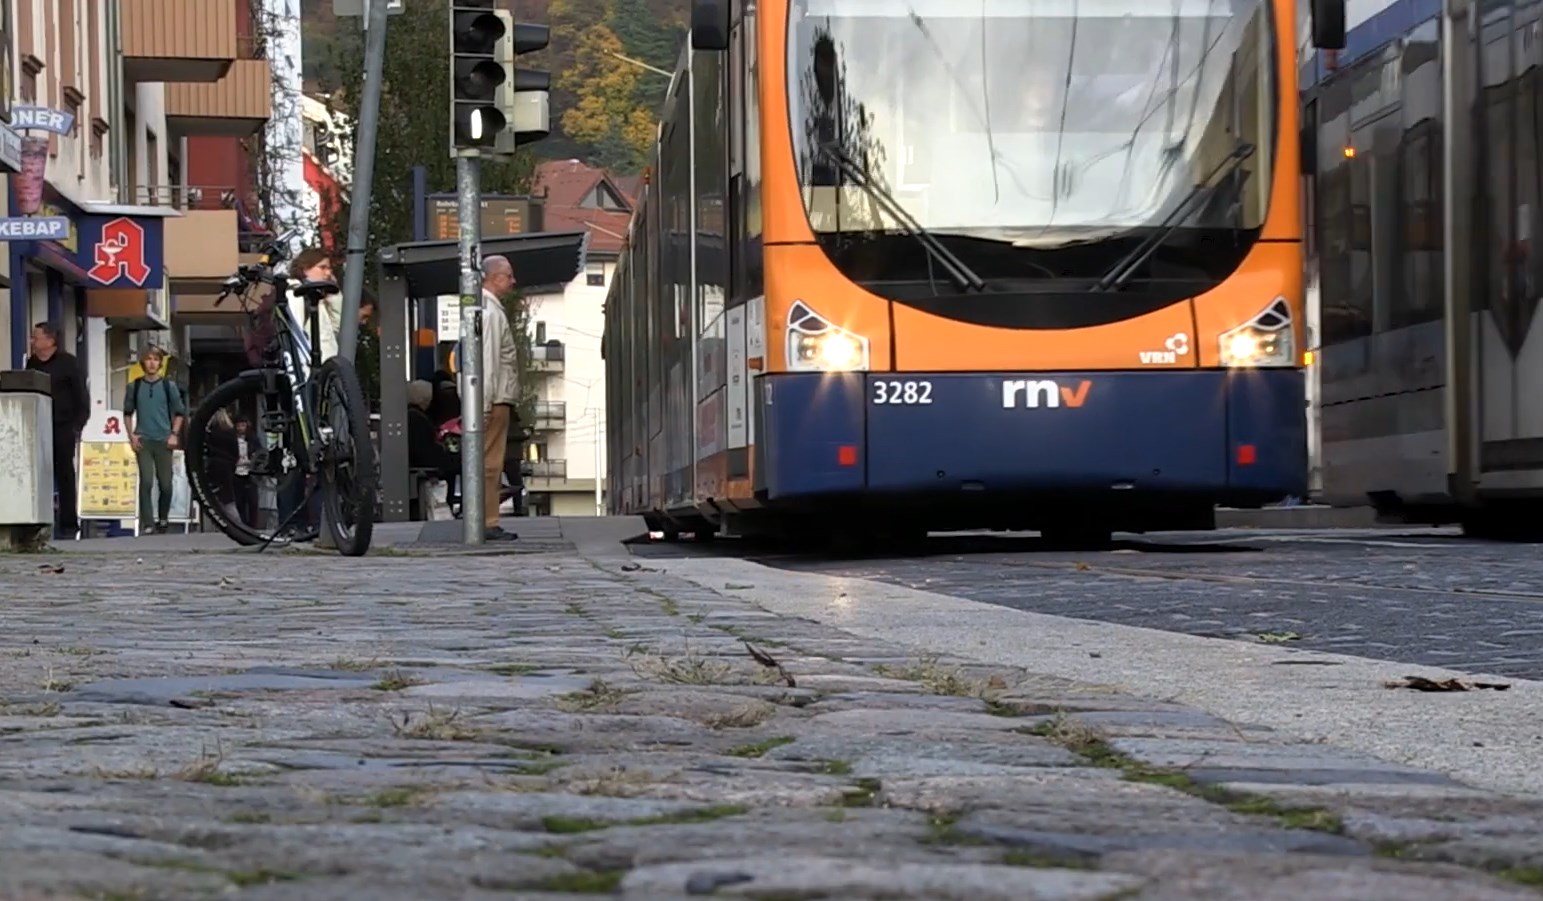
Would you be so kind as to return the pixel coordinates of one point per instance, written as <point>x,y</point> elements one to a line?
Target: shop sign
<point>122,251</point>
<point>41,118</point>
<point>69,243</point>
<point>10,148</point>
<point>34,228</point>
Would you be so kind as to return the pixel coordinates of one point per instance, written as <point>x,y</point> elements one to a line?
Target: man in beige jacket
<point>501,387</point>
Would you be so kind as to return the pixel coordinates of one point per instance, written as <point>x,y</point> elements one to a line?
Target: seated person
<point>423,448</point>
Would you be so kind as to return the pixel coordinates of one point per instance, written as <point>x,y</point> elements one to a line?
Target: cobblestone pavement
<point>1416,597</point>
<point>306,727</point>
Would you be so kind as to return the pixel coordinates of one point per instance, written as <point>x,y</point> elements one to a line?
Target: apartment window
<point>594,275</point>
<point>541,333</point>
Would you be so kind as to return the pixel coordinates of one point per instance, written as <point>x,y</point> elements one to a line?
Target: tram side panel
<point>1377,219</point>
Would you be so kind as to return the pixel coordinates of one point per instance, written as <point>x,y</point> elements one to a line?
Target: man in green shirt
<point>153,411</point>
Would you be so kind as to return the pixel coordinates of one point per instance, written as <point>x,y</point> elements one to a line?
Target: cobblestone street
<point>295,726</point>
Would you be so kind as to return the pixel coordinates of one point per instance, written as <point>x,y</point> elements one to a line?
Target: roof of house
<point>580,197</point>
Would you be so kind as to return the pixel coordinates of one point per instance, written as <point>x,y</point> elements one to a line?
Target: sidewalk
<point>297,726</point>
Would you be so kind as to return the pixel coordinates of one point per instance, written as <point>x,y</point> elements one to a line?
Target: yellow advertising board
<point>109,480</point>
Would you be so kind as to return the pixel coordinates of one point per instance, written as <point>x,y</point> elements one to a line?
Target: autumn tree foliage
<point>603,108</point>
<point>609,105</point>
<point>414,124</point>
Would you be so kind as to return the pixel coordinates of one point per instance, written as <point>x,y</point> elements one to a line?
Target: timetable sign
<point>501,217</point>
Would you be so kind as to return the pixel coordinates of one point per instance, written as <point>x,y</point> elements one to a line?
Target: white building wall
<point>72,172</point>
<point>576,318</point>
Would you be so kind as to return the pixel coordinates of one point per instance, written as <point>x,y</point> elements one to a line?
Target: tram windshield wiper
<point>1125,269</point>
<point>962,274</point>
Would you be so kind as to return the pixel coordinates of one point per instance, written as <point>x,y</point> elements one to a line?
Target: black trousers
<point>65,442</point>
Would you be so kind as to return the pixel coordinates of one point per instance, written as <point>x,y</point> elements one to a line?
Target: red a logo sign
<point>121,253</point>
<point>113,427</point>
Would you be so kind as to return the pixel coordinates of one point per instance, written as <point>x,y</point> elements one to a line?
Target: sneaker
<point>162,528</point>
<point>498,533</point>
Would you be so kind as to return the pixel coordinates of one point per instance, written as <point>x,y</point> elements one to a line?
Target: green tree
<point>414,125</point>
<point>413,129</point>
<point>517,309</point>
<point>648,38</point>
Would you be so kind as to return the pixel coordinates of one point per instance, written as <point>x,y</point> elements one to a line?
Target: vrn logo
<point>1033,394</point>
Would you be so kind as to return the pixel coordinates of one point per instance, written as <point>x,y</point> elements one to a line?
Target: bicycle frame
<point>299,359</point>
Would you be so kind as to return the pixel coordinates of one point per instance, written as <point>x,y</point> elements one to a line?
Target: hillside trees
<point>414,129</point>
<point>603,109</point>
<point>414,124</point>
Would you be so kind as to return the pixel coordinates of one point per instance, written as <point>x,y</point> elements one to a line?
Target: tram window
<point>1529,118</point>
<point>1334,218</point>
<point>753,262</point>
<point>1419,298</point>
<point>1496,227</point>
<point>712,180</point>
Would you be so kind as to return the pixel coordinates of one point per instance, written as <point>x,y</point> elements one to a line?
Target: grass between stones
<point>861,793</point>
<point>572,825</point>
<point>759,749</point>
<point>396,680</point>
<point>1530,877</point>
<point>1091,746</point>
<point>237,878</point>
<point>585,882</point>
<point>944,832</point>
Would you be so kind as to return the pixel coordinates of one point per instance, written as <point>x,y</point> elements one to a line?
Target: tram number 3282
<point>904,393</point>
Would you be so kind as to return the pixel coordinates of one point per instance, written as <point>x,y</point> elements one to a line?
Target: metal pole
<point>468,190</point>
<point>364,174</point>
<point>1459,62</point>
<point>599,414</point>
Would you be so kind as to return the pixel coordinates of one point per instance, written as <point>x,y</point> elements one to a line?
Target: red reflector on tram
<point>846,455</point>
<point>1247,454</point>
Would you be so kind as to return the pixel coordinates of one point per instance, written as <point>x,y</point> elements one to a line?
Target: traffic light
<point>478,76</point>
<point>530,115</point>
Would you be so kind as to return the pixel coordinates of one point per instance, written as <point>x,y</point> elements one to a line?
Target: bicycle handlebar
<point>261,272</point>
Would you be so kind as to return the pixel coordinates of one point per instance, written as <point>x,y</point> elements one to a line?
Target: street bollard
<point>27,441</point>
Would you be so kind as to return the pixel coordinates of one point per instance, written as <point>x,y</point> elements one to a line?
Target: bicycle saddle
<point>315,290</point>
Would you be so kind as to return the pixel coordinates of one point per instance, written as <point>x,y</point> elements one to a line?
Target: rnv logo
<point>1033,394</point>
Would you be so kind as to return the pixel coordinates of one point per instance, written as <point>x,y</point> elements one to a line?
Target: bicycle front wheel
<point>234,502</point>
<point>349,472</point>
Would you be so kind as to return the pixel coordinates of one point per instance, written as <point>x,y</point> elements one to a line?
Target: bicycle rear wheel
<point>211,464</point>
<point>349,472</point>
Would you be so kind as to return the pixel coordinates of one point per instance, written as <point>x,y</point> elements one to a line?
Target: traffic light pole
<point>468,190</point>
<point>364,175</point>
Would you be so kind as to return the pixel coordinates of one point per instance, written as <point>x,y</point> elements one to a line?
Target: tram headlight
<point>1266,340</point>
<point>817,345</point>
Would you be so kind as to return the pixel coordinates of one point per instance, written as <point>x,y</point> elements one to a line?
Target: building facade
<point>566,454</point>
<point>134,125</point>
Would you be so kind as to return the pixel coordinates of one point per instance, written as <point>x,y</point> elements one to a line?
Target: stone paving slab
<point>546,726</point>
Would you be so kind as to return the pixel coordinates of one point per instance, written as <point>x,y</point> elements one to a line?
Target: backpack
<point>138,386</point>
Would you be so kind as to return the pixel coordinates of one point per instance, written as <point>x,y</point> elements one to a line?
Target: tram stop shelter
<point>543,262</point>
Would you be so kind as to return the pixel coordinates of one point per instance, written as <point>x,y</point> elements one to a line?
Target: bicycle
<point>313,411</point>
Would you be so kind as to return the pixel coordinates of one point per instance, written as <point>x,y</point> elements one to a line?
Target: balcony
<point>551,416</point>
<point>547,357</point>
<point>178,40</point>
<point>203,244</point>
<point>236,106</point>
<point>548,470</point>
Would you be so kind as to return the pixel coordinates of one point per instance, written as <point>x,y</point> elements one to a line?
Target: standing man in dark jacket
<point>72,409</point>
